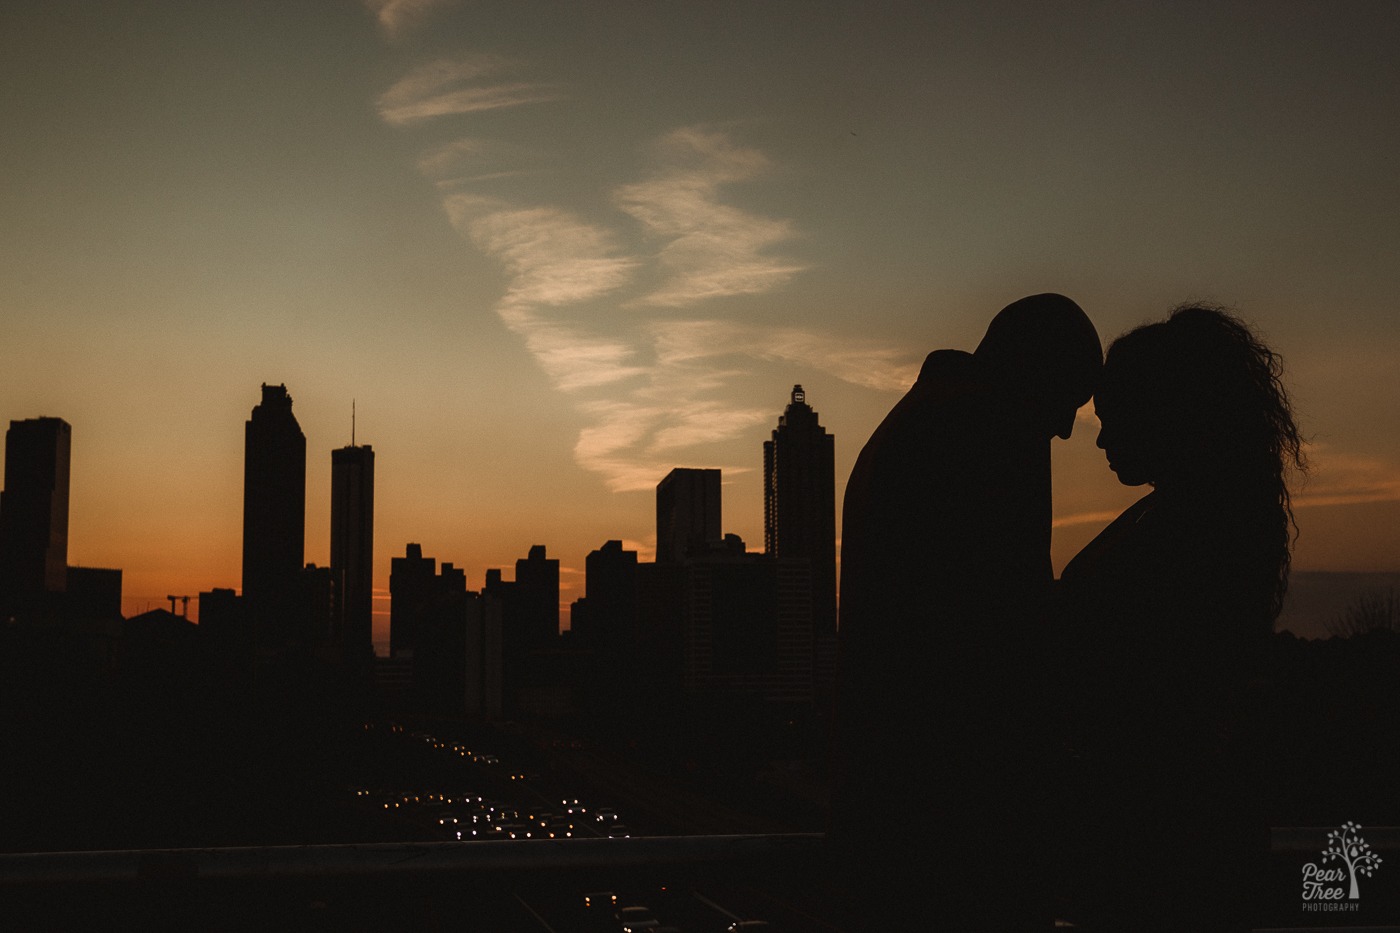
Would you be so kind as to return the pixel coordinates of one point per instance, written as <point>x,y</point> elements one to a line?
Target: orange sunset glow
<point>546,273</point>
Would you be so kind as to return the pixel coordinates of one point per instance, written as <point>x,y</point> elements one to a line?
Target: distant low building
<point>220,612</point>
<point>93,593</point>
<point>448,638</point>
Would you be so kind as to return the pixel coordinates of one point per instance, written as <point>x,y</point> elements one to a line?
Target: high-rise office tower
<point>799,509</point>
<point>352,547</point>
<point>687,514</point>
<point>34,514</point>
<point>274,516</point>
<point>529,613</point>
<point>610,591</point>
<point>537,597</point>
<point>413,584</point>
<point>747,627</point>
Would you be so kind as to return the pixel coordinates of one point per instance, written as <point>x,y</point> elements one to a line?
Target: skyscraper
<point>529,611</point>
<point>747,627</point>
<point>687,513</point>
<point>413,585</point>
<point>610,588</point>
<point>34,514</point>
<point>274,516</point>
<point>352,547</point>
<point>799,510</point>
<point>537,598</point>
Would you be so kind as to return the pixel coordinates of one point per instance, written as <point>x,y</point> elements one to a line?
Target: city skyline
<point>554,253</point>
<point>1315,609</point>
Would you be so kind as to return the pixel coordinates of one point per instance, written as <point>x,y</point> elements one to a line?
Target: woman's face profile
<point>1129,434</point>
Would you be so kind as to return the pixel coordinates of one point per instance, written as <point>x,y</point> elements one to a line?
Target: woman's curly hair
<point>1217,390</point>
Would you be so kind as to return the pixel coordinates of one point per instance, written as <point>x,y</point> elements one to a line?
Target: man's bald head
<point>1044,350</point>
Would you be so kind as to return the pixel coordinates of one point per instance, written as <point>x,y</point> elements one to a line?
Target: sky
<point>550,251</point>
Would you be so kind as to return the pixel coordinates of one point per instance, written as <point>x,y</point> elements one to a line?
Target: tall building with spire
<point>34,515</point>
<point>274,517</point>
<point>352,548</point>
<point>799,511</point>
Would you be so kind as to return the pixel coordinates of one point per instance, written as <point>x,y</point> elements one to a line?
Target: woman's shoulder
<point>1109,543</point>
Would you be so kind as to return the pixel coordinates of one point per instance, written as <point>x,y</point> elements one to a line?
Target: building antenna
<point>352,422</point>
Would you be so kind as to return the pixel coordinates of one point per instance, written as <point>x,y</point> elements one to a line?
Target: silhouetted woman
<point>1166,612</point>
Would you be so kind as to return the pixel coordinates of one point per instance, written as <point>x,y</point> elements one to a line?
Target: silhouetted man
<point>945,563</point>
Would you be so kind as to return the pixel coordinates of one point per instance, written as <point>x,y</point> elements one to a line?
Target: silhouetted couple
<point>1007,739</point>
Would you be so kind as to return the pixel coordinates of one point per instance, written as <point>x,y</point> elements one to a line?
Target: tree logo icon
<point>1346,846</point>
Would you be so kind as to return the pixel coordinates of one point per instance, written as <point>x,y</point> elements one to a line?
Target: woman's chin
<point>1126,476</point>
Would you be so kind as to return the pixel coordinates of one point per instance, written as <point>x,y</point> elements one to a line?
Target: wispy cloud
<point>447,87</point>
<point>444,160</point>
<point>1340,478</point>
<point>1335,478</point>
<point>553,257</point>
<point>661,391</point>
<point>621,425</point>
<point>571,357</point>
<point>610,446</point>
<point>668,383</point>
<point>633,443</point>
<point>868,363</point>
<point>707,423</point>
<point>646,550</point>
<point>457,165</point>
<point>1085,518</point>
<point>714,249</point>
<point>396,16</point>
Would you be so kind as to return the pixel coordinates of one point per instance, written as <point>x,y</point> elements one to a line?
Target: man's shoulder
<point>935,411</point>
<point>951,384</point>
<point>945,365</point>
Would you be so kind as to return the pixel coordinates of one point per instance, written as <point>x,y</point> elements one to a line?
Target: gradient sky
<point>554,249</point>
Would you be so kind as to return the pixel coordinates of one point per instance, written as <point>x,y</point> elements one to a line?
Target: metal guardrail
<point>449,856</point>
<point>363,860</point>
<point>270,862</point>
